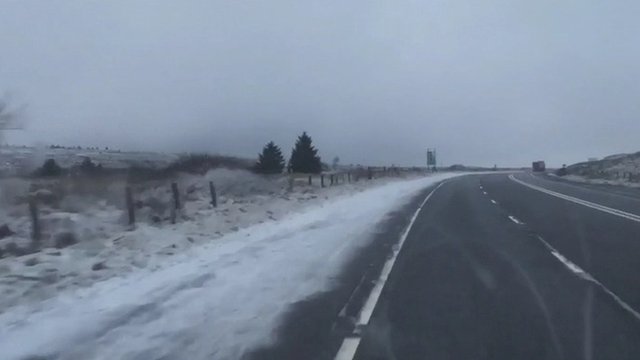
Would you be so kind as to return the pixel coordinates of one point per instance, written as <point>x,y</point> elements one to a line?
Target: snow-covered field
<point>211,286</point>
<point>15,159</point>
<point>97,220</point>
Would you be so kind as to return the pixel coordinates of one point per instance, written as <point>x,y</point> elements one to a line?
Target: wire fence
<point>177,200</point>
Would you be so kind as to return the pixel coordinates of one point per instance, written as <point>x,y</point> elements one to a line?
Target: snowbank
<point>210,299</point>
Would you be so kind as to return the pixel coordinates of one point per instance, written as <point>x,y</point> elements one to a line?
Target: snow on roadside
<point>106,250</point>
<point>585,180</point>
<point>216,300</point>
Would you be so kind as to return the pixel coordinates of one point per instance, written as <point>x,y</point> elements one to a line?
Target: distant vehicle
<point>538,166</point>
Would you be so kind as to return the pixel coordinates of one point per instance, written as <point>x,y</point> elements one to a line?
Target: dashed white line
<point>589,204</point>
<point>350,344</point>
<point>578,271</point>
<point>494,202</point>
<point>484,192</point>
<point>515,220</point>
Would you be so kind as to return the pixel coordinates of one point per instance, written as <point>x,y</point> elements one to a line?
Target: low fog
<point>373,82</point>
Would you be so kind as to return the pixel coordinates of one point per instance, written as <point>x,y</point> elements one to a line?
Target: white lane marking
<point>577,270</point>
<point>589,204</point>
<point>348,349</point>
<point>350,344</point>
<point>484,192</point>
<point>367,310</point>
<point>515,220</point>
<point>494,202</point>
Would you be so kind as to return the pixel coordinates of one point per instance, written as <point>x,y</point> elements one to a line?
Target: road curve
<point>493,267</point>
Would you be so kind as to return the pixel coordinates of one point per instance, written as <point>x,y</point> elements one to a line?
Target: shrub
<point>49,169</point>
<point>88,167</point>
<point>201,163</point>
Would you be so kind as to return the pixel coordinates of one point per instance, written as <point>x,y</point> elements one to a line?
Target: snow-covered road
<point>216,301</point>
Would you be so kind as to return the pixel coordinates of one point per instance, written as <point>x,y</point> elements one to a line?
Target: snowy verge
<point>217,300</point>
<point>93,216</point>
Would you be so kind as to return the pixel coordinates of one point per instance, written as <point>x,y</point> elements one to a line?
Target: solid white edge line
<point>578,271</point>
<point>586,203</point>
<point>568,263</point>
<point>350,344</point>
<point>367,309</point>
<point>348,348</point>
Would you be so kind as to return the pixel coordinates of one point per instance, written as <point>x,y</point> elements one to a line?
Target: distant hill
<point>613,167</point>
<point>21,160</point>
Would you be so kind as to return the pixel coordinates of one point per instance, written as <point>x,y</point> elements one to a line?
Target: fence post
<point>176,195</point>
<point>322,180</point>
<point>349,177</point>
<point>331,180</point>
<point>214,197</point>
<point>369,173</point>
<point>291,182</point>
<point>130,208</point>
<point>310,180</point>
<point>35,222</point>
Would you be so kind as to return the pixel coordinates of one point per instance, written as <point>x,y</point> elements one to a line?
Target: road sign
<point>431,157</point>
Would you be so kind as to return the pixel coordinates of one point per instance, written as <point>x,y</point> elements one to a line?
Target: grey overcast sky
<point>375,82</point>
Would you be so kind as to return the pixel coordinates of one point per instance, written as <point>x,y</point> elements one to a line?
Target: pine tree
<point>271,160</point>
<point>49,168</point>
<point>304,157</point>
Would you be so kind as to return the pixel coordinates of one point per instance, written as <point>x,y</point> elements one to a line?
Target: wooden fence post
<point>130,207</point>
<point>214,197</point>
<point>176,195</point>
<point>35,222</point>
<point>322,180</point>
<point>310,180</point>
<point>331,180</point>
<point>349,177</point>
<point>369,173</point>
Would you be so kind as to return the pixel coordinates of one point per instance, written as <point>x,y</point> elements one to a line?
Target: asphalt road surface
<point>493,267</point>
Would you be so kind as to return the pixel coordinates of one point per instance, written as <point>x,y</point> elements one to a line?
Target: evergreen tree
<point>271,160</point>
<point>49,168</point>
<point>304,157</point>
